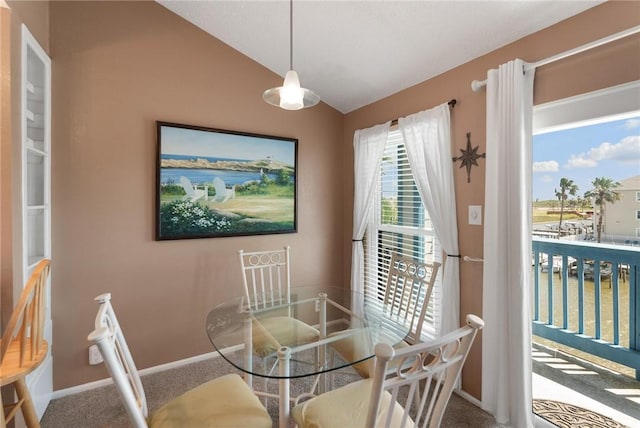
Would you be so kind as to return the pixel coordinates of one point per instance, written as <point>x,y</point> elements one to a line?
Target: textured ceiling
<point>353,53</point>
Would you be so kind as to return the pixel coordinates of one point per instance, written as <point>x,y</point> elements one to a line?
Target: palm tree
<point>602,193</point>
<point>567,187</point>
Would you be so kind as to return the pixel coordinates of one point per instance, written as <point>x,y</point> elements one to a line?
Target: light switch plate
<point>475,214</point>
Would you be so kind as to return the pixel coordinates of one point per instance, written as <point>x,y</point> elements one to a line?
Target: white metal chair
<point>267,284</point>
<point>415,395</point>
<point>226,401</point>
<point>408,290</point>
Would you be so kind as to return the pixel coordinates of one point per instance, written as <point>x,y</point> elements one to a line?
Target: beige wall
<point>119,67</point>
<point>613,64</point>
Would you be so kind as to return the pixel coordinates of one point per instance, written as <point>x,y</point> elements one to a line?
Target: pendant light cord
<point>290,34</point>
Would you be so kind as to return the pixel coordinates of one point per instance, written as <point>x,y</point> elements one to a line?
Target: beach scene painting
<point>218,183</point>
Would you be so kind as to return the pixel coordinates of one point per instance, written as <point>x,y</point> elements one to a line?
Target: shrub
<point>251,188</point>
<point>172,189</point>
<point>283,178</point>
<point>188,218</point>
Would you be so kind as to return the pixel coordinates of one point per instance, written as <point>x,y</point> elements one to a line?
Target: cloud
<point>580,161</point>
<point>625,151</point>
<point>546,166</point>
<point>632,123</point>
<point>546,178</point>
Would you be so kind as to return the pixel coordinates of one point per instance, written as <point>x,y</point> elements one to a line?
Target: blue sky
<point>610,149</point>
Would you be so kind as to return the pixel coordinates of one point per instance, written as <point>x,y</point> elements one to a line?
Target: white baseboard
<point>149,370</point>
<point>470,398</point>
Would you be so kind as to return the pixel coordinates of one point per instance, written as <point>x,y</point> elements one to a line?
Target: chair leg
<point>3,423</point>
<point>28,409</point>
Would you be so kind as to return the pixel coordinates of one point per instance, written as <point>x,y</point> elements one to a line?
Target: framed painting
<point>216,183</point>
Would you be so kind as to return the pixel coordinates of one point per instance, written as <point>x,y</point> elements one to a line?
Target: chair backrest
<point>26,324</point>
<point>221,189</point>
<point>409,288</point>
<point>266,277</point>
<point>187,186</point>
<point>424,379</point>
<point>117,357</point>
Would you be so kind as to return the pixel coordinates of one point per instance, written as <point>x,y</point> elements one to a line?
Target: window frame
<point>376,265</point>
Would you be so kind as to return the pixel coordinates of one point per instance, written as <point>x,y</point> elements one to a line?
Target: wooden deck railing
<point>591,299</point>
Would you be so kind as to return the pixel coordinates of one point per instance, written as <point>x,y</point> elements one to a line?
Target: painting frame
<point>214,183</point>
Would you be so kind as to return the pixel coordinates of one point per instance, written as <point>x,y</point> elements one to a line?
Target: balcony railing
<point>587,296</point>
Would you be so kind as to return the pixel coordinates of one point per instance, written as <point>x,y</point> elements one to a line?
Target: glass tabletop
<point>305,330</point>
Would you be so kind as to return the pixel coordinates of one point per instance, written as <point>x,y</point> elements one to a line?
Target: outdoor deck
<point>561,377</point>
<point>586,326</point>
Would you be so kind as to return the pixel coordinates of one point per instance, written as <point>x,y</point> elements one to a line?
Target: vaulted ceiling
<point>353,53</point>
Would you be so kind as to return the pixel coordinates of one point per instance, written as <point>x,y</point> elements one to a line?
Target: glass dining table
<point>238,329</point>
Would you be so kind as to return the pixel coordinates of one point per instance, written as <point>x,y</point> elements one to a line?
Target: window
<point>637,232</point>
<point>637,214</point>
<point>575,136</point>
<point>400,224</point>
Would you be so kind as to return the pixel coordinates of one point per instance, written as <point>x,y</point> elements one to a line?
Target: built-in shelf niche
<point>36,190</point>
<point>36,156</point>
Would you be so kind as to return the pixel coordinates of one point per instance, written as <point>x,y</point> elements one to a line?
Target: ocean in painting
<point>201,176</point>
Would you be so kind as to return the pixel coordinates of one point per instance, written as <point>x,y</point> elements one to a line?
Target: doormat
<point>566,415</point>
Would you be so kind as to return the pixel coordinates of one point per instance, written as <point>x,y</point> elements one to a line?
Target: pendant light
<point>290,96</point>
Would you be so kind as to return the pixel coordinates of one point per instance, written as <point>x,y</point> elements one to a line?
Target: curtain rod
<point>476,85</point>
<point>451,103</point>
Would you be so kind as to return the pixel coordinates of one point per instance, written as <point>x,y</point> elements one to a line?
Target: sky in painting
<point>181,141</point>
<point>610,150</point>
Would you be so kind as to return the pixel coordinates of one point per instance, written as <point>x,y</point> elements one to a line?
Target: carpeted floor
<point>566,415</point>
<point>101,407</point>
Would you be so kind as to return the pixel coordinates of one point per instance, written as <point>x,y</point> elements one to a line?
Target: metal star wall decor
<point>469,157</point>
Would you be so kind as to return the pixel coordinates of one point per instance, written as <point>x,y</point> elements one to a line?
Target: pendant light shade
<point>291,96</point>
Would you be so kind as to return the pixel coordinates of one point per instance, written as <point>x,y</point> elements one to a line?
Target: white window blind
<point>400,225</point>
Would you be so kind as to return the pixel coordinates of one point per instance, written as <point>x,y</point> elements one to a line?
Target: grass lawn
<point>258,206</point>
<point>543,217</point>
<point>541,213</point>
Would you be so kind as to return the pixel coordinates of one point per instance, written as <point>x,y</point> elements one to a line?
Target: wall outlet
<point>94,355</point>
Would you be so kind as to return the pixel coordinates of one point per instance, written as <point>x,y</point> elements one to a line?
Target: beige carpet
<point>101,407</point>
<point>566,415</point>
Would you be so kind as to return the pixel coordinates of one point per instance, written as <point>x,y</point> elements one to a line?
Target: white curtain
<point>368,146</point>
<point>506,342</point>
<point>427,138</point>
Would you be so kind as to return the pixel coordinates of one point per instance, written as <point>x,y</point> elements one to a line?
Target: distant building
<point>622,219</point>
